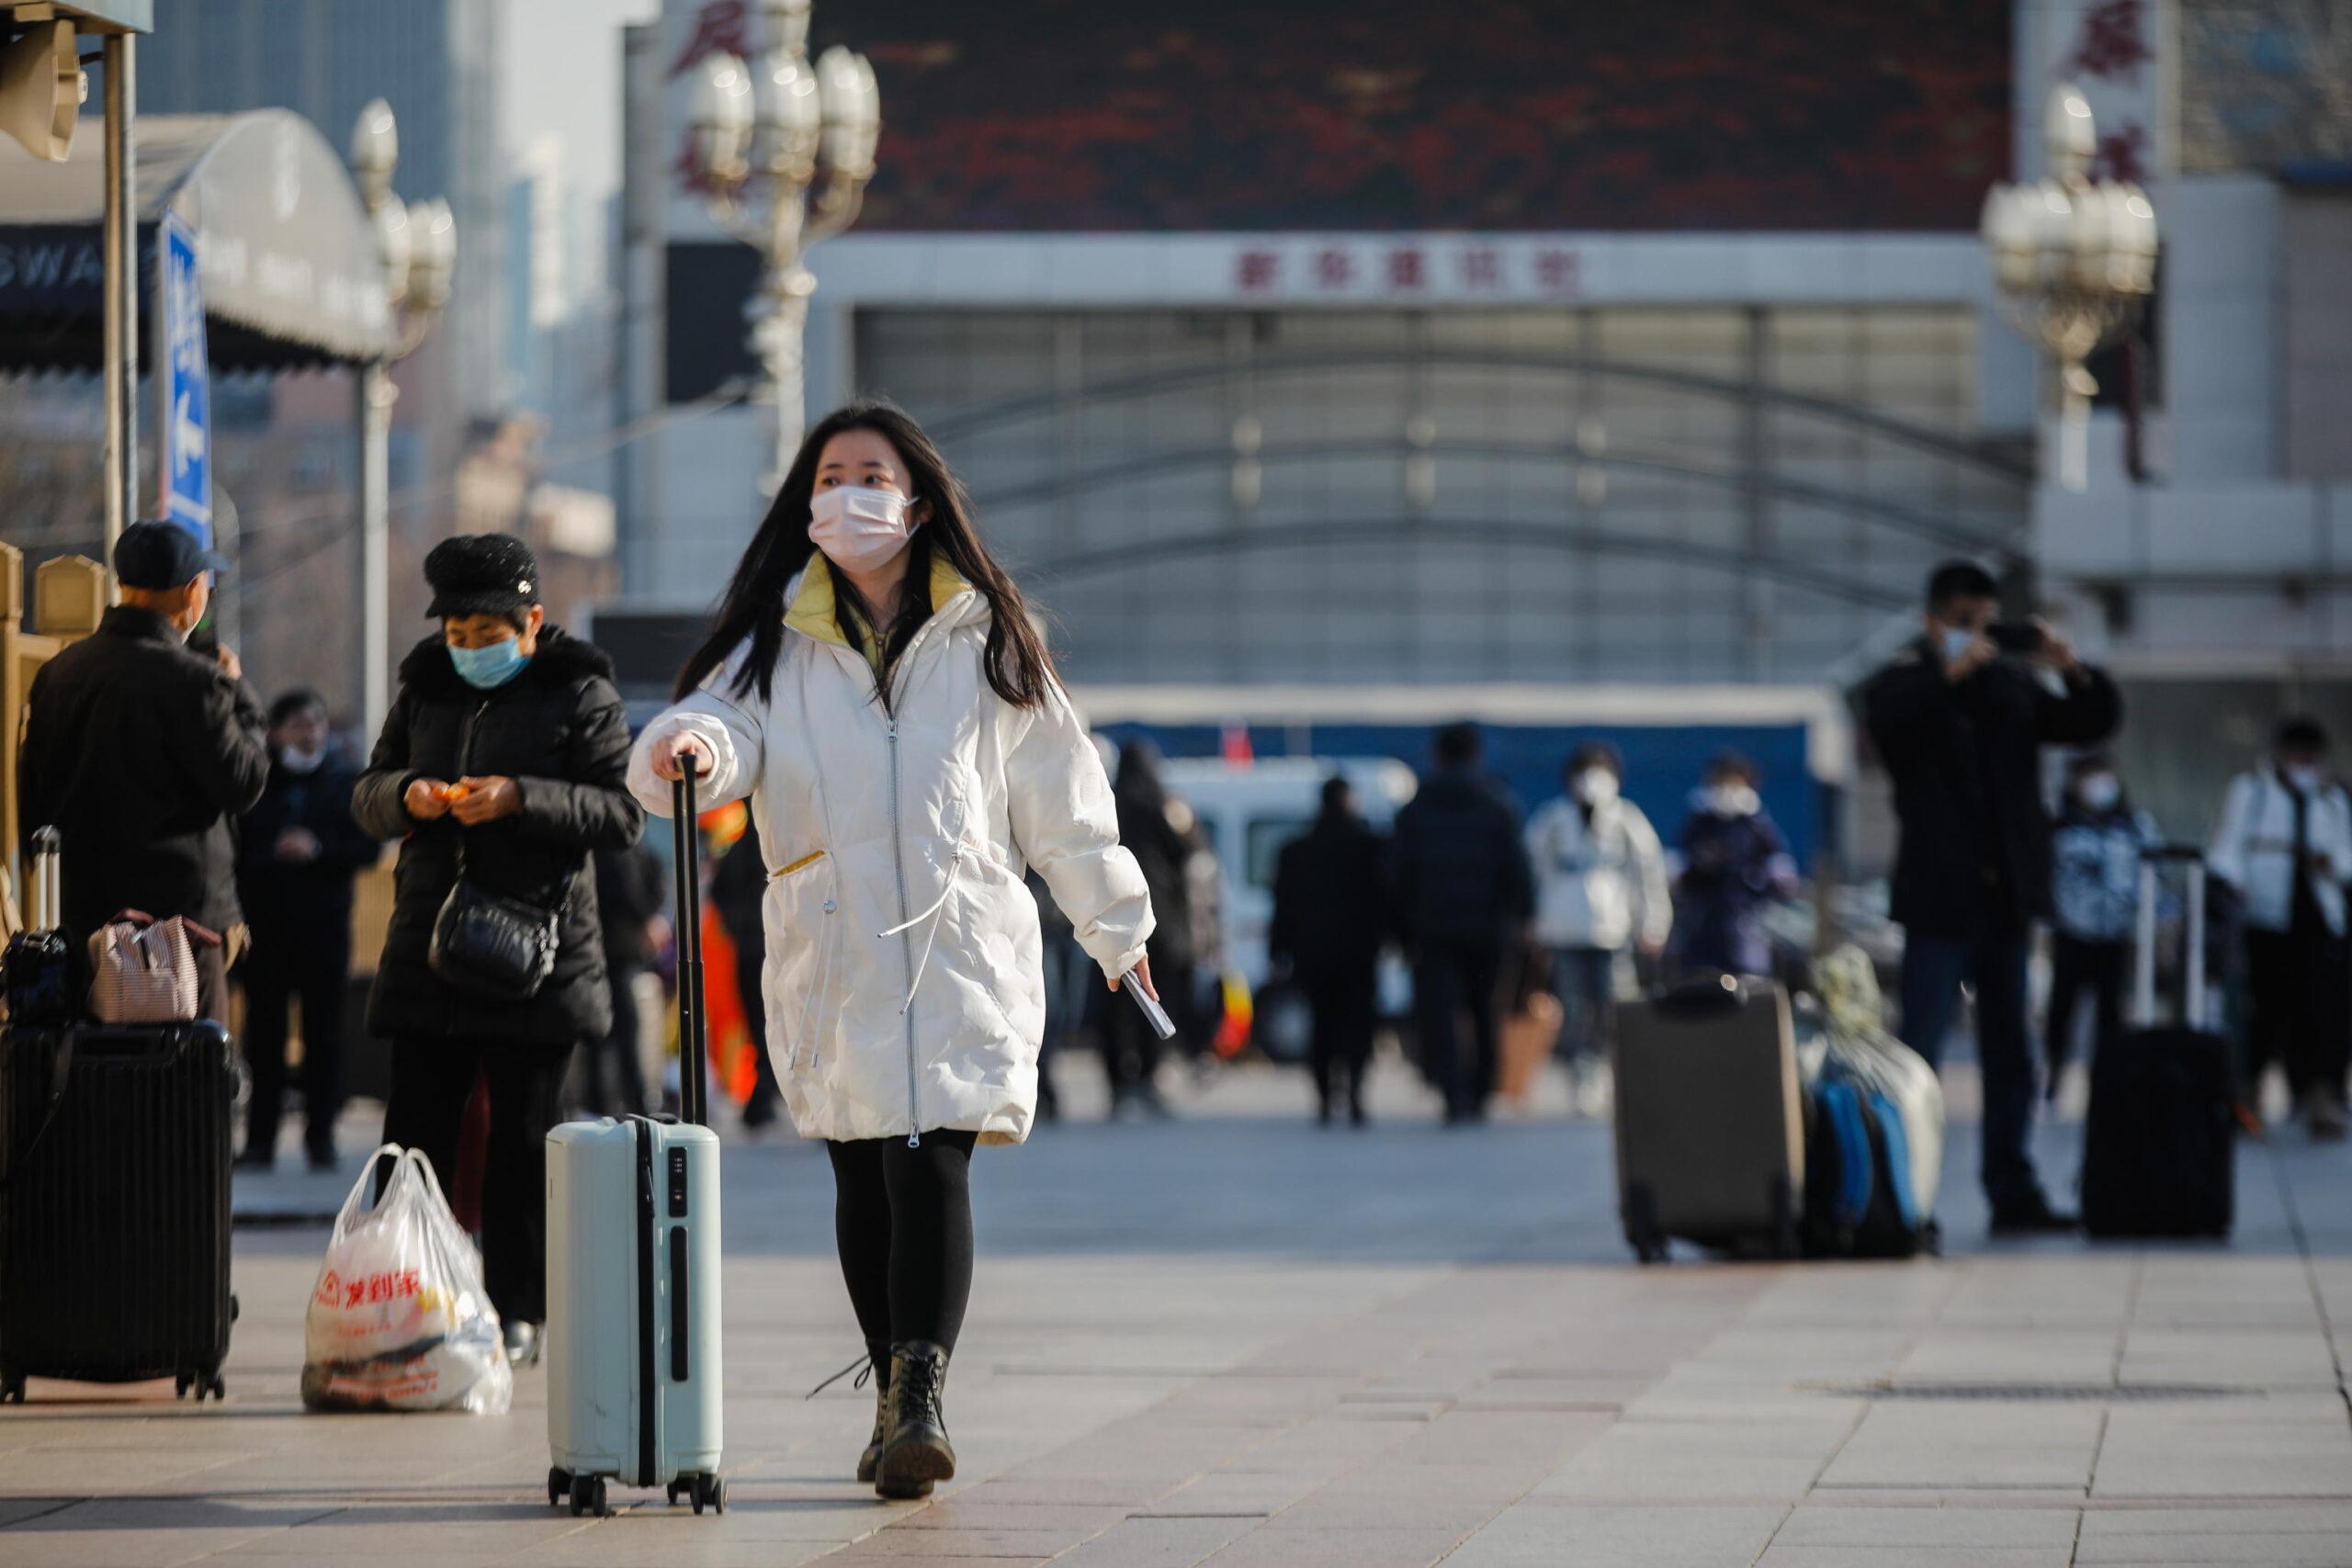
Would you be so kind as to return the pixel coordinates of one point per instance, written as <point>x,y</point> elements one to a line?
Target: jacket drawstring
<point>937,911</point>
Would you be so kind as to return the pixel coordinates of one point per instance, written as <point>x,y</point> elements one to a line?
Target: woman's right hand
<point>676,745</point>
<point>426,799</point>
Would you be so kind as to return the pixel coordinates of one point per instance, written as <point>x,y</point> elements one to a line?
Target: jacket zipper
<point>906,940</point>
<point>898,863</point>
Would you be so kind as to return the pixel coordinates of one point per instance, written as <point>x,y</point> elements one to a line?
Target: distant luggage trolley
<point>633,1320</point>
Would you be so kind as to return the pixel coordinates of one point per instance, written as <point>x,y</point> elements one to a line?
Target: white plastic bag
<point>399,1319</point>
<point>1858,1043</point>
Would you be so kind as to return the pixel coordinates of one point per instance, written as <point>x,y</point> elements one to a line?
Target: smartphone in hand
<point>1154,1014</point>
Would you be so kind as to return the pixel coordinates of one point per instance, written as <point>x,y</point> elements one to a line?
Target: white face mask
<point>2101,790</point>
<point>2303,776</point>
<point>1596,786</point>
<point>300,764</point>
<point>1956,641</point>
<point>861,528</point>
<point>1732,800</point>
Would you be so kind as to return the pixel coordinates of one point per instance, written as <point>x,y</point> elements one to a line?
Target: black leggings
<point>902,1219</point>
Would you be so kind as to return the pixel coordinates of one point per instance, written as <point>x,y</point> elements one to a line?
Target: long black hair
<point>1016,663</point>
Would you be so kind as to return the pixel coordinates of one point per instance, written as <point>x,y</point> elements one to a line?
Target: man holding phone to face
<point>1959,718</point>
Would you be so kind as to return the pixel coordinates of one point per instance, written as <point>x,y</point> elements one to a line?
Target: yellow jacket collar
<point>815,613</point>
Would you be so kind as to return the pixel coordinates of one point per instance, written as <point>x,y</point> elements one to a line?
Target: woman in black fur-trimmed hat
<point>508,739</point>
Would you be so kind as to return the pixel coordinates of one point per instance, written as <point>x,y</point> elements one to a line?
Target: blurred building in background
<point>1321,344</point>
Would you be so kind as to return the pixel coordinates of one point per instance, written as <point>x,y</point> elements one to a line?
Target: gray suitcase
<point>1710,1120</point>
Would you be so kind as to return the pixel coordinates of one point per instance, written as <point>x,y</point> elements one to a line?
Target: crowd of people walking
<point>941,857</point>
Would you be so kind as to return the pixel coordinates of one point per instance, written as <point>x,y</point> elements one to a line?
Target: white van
<point>1250,810</point>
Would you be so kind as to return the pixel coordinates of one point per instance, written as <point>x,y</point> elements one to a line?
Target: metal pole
<point>779,314</point>
<point>377,394</point>
<point>121,294</point>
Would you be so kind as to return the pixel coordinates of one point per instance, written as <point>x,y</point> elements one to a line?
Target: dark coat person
<point>1148,829</point>
<point>1331,917</point>
<point>298,851</point>
<point>1463,885</point>
<point>632,896</point>
<point>504,757</point>
<point>1960,724</point>
<point>140,753</point>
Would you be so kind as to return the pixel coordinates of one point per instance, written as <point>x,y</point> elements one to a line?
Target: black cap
<point>162,556</point>
<point>482,574</point>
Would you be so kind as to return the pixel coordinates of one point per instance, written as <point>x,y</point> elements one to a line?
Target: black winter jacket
<point>631,888</point>
<point>308,901</point>
<point>1966,763</point>
<point>1460,871</point>
<point>559,731</point>
<point>1331,901</point>
<point>142,755</point>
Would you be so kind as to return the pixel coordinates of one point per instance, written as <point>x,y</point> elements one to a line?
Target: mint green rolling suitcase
<point>634,1366</point>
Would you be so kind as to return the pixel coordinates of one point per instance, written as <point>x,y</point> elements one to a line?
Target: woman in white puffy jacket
<point>895,721</point>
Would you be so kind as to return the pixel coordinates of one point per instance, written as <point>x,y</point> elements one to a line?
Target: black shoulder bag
<point>492,945</point>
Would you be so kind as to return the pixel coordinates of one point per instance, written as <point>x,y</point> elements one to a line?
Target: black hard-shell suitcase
<point>2159,1148</point>
<point>114,1222</point>
<point>1710,1120</point>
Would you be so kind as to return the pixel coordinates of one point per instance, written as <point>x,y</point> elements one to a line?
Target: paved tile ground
<point>1233,1340</point>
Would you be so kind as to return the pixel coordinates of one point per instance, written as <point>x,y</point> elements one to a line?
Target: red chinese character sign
<point>1513,268</point>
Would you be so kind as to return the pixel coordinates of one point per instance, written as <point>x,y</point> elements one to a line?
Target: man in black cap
<point>140,752</point>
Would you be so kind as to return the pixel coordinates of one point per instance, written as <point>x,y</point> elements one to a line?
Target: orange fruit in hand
<point>456,793</point>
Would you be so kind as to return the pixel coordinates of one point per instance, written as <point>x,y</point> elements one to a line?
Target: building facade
<point>1301,344</point>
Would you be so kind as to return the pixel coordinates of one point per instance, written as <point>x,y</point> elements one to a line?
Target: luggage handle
<point>694,1090</point>
<point>49,902</point>
<point>2143,954</point>
<point>1697,999</point>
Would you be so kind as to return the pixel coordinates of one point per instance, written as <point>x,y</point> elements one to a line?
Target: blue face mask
<point>490,667</point>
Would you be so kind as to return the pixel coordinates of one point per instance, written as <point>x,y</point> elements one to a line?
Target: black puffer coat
<point>559,731</point>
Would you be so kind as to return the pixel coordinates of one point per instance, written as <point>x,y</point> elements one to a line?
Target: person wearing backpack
<point>873,685</point>
<point>2095,900</point>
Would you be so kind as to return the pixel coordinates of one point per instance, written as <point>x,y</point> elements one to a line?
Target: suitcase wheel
<point>588,1497</point>
<point>12,1388</point>
<point>709,1491</point>
<point>559,1487</point>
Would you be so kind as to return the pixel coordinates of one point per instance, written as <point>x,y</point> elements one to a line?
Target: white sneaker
<point>1594,1090</point>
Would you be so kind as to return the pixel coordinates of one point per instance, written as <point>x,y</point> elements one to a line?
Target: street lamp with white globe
<point>784,148</point>
<point>2073,264</point>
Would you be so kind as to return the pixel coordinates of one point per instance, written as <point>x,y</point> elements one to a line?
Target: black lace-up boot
<point>915,1450</point>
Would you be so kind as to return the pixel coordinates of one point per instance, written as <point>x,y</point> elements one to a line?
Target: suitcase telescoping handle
<point>694,1090</point>
<point>2153,860</point>
<point>48,911</point>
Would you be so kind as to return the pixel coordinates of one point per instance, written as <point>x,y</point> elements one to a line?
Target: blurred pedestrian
<point>1600,891</point>
<point>1331,915</point>
<point>1735,865</point>
<point>2095,903</point>
<point>892,714</point>
<point>1067,992</point>
<point>1463,894</point>
<point>632,912</point>
<point>501,768</point>
<point>1960,720</point>
<point>298,853</point>
<point>141,754</point>
<point>738,893</point>
<point>2284,847</point>
<point>1154,833</point>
